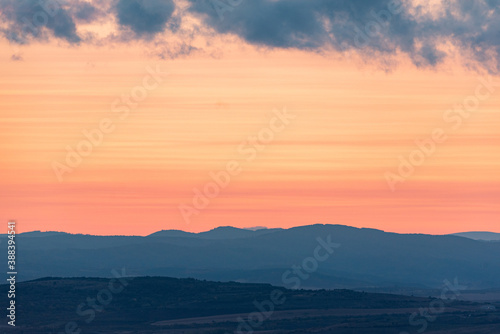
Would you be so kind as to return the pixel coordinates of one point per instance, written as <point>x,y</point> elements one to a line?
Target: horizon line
<point>245,229</point>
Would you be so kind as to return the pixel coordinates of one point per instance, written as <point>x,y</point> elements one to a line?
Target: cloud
<point>27,19</point>
<point>85,12</point>
<point>144,17</point>
<point>16,57</point>
<point>377,30</point>
<point>370,27</point>
<point>280,24</point>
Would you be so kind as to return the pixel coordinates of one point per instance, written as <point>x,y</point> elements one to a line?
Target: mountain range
<point>361,258</point>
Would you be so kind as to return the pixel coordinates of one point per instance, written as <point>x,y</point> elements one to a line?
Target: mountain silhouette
<point>366,258</point>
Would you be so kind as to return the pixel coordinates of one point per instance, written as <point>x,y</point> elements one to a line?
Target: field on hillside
<point>169,305</point>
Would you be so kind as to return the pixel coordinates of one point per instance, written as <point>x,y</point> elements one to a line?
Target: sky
<point>129,116</point>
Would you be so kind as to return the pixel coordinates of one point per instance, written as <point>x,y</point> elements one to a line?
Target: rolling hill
<point>167,305</point>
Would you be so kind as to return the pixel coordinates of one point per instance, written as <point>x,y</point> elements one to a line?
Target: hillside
<point>168,305</point>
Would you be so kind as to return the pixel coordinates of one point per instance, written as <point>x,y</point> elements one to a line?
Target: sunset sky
<point>226,72</point>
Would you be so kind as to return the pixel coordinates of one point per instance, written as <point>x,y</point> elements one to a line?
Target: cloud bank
<point>373,28</point>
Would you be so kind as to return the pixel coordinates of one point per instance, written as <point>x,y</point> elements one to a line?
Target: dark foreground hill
<point>360,259</point>
<point>167,305</point>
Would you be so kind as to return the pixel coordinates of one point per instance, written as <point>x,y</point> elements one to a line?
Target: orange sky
<point>352,121</point>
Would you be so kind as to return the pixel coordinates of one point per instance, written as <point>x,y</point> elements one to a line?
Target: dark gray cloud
<point>372,27</point>
<point>376,29</point>
<point>85,12</point>
<point>144,17</point>
<point>28,19</point>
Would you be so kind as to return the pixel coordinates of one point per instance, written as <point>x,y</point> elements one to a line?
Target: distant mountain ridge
<point>366,257</point>
<point>486,236</point>
<point>230,232</point>
<point>222,232</point>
